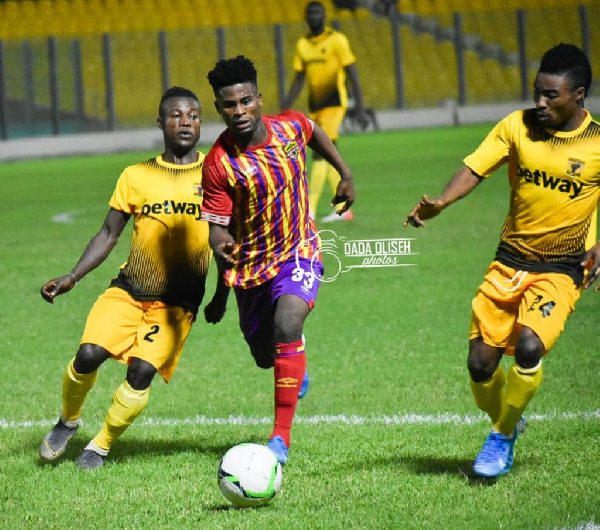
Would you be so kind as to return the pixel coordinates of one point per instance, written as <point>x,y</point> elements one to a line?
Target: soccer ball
<point>249,475</point>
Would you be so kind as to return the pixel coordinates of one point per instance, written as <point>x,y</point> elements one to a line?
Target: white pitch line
<point>66,217</point>
<point>396,419</point>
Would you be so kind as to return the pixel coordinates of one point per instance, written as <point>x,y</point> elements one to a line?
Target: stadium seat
<point>371,42</point>
<point>427,33</point>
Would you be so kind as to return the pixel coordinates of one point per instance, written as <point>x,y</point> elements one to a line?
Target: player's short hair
<point>228,72</point>
<point>570,61</point>
<point>176,92</point>
<point>314,3</point>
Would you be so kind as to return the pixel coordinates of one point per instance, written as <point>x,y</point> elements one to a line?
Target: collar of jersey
<point>315,39</point>
<point>570,134</point>
<point>267,123</point>
<point>161,162</point>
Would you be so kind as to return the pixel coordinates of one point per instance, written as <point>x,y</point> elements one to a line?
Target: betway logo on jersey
<point>172,207</point>
<point>541,178</point>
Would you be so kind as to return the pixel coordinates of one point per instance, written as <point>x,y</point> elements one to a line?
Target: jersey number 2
<point>153,331</point>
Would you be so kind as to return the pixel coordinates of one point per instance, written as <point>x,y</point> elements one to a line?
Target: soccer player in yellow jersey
<point>143,319</point>
<point>324,58</point>
<point>546,251</point>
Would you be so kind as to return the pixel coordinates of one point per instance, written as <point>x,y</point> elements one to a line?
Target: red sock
<point>290,365</point>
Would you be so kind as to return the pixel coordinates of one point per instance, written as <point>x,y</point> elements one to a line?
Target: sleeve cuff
<point>222,220</point>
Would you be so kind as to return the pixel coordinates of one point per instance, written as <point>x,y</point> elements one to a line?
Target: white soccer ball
<point>249,475</point>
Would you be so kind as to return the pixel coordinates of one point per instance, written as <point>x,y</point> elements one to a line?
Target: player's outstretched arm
<point>463,182</point>
<point>215,309</point>
<point>321,143</point>
<point>591,262</point>
<point>94,254</point>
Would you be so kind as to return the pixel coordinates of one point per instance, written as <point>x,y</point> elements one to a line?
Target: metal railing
<point>113,81</point>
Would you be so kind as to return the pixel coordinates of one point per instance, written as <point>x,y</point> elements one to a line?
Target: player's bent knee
<point>265,364</point>
<point>89,358</point>
<point>288,333</point>
<point>483,360</point>
<point>529,349</point>
<point>480,371</point>
<point>289,318</point>
<point>289,328</point>
<point>262,349</point>
<point>263,358</point>
<point>140,374</point>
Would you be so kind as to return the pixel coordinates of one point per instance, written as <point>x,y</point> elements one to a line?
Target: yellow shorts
<point>128,328</point>
<point>330,119</point>
<point>509,299</point>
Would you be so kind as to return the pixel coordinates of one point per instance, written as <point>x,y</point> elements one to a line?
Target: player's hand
<point>425,209</point>
<point>591,263</point>
<point>224,253</point>
<point>215,310</point>
<point>344,193</point>
<point>63,284</point>
<point>362,119</point>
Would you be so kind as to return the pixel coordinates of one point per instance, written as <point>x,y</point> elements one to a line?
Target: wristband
<point>74,277</point>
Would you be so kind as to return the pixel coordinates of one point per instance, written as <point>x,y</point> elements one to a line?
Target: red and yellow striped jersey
<point>169,254</point>
<point>261,193</point>
<point>555,186</point>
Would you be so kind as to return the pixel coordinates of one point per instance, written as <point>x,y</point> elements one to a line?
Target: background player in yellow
<point>144,317</point>
<point>324,58</point>
<point>546,251</point>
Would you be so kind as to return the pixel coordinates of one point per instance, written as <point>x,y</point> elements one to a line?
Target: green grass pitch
<point>387,434</point>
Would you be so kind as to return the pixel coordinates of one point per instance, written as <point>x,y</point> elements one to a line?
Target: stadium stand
<point>426,30</point>
<point>42,18</point>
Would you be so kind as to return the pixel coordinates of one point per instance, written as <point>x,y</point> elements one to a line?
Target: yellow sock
<point>521,386</point>
<point>126,406</point>
<point>75,389</point>
<point>318,174</point>
<point>489,395</point>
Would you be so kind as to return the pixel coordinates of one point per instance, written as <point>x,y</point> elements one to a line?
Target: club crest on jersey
<point>291,149</point>
<point>198,190</point>
<point>575,167</point>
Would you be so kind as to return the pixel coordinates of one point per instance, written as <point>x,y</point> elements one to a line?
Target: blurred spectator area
<point>41,18</point>
<point>198,32</point>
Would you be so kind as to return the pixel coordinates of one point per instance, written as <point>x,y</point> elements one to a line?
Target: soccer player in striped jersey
<point>143,319</point>
<point>256,202</point>
<point>547,249</point>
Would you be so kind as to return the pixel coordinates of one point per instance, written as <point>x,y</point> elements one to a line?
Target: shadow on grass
<point>447,466</point>
<point>130,448</point>
<point>429,465</point>
<point>230,507</point>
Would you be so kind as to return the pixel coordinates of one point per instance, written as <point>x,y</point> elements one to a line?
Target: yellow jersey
<point>555,185</point>
<point>170,253</point>
<point>323,59</point>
